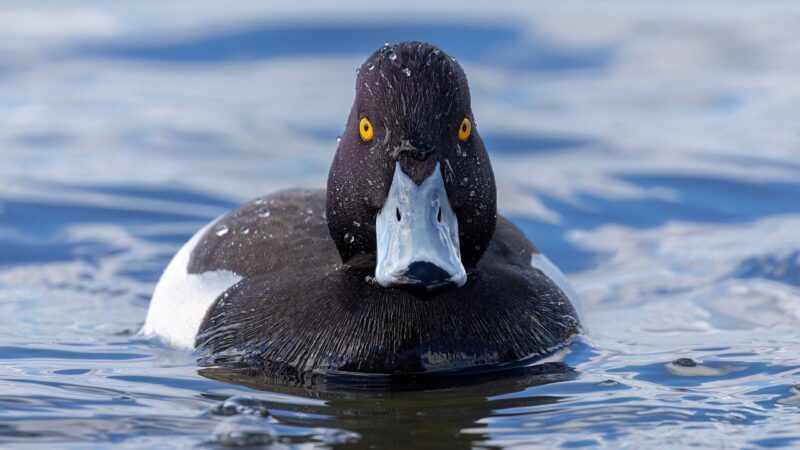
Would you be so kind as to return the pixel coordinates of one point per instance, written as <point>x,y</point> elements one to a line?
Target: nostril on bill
<point>397,212</point>
<point>439,215</point>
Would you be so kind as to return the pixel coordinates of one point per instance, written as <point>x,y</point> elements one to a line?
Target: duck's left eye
<point>365,129</point>
<point>464,130</point>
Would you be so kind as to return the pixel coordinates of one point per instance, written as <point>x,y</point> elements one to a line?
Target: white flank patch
<point>543,263</point>
<point>181,300</point>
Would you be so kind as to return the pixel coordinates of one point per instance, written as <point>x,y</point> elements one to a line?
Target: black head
<point>415,100</point>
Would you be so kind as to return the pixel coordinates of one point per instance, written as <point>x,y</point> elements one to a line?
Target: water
<point>650,150</point>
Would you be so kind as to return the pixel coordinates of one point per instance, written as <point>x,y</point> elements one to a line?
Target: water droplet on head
<point>356,224</point>
<point>244,230</point>
<point>472,193</point>
<point>338,139</point>
<point>464,181</point>
<point>263,212</point>
<point>392,56</point>
<point>221,229</point>
<point>349,238</point>
<point>371,67</point>
<point>309,211</point>
<point>259,201</point>
<point>407,71</point>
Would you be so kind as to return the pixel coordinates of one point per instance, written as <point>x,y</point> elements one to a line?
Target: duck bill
<point>417,236</point>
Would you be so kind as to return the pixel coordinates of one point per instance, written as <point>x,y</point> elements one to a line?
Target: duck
<point>402,265</point>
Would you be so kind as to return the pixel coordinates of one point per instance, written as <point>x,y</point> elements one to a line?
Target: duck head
<point>411,191</point>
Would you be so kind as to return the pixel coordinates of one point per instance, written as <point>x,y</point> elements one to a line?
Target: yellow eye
<point>464,130</point>
<point>365,129</point>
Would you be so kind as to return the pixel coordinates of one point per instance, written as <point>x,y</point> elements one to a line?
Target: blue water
<point>651,151</point>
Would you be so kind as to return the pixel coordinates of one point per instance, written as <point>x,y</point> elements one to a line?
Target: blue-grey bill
<point>417,225</point>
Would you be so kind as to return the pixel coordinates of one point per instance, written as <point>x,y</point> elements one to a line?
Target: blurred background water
<point>650,149</point>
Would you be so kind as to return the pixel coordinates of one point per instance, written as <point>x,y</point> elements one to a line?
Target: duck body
<point>308,280</point>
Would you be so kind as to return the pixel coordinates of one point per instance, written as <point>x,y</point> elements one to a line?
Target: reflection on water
<point>442,413</point>
<point>649,150</point>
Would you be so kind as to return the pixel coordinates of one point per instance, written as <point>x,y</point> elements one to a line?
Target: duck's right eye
<point>365,129</point>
